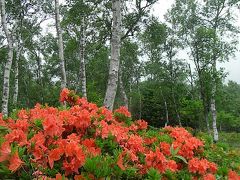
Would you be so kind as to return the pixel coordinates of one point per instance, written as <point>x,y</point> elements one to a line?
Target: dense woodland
<point>117,53</point>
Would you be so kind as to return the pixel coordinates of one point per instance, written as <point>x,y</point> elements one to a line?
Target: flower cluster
<point>201,166</point>
<point>74,141</point>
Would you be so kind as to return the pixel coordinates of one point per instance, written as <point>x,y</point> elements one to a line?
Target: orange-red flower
<point>232,175</point>
<point>64,94</point>
<point>54,155</point>
<point>17,135</point>
<point>123,110</point>
<point>201,166</point>
<point>120,161</point>
<point>209,177</point>
<point>165,147</point>
<point>2,122</point>
<point>15,162</point>
<point>141,124</point>
<point>5,151</point>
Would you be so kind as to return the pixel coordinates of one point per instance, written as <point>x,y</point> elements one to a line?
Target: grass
<point>230,138</point>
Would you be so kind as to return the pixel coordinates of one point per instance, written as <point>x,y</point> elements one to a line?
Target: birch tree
<point>220,13</point>
<point>205,26</point>
<point>60,45</point>
<point>82,70</point>
<point>16,74</point>
<point>122,89</point>
<point>8,65</point>
<point>115,55</point>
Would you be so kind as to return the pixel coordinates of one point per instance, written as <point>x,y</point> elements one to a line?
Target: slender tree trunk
<point>122,89</point>
<point>213,106</point>
<point>140,102</point>
<point>166,109</point>
<point>39,74</point>
<point>83,80</point>
<point>15,94</point>
<point>191,81</point>
<point>214,119</point>
<point>60,45</point>
<point>204,101</point>
<point>176,109</point>
<point>16,86</point>
<point>130,97</point>
<point>206,117</point>
<point>8,65</point>
<point>214,83</point>
<point>115,55</point>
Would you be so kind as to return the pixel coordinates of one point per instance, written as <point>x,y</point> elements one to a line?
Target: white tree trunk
<point>83,79</point>
<point>115,55</point>
<point>8,65</point>
<point>214,119</point>
<point>122,89</point>
<point>15,94</point>
<point>130,97</point>
<point>60,45</point>
<point>213,106</point>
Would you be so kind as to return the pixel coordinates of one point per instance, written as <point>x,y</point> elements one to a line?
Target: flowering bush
<point>83,141</point>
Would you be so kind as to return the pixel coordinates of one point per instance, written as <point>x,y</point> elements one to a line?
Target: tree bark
<point>214,119</point>
<point>82,74</point>
<point>60,45</point>
<point>214,83</point>
<point>213,105</point>
<point>122,89</point>
<point>16,86</point>
<point>39,74</point>
<point>166,108</point>
<point>130,97</point>
<point>115,55</point>
<point>191,81</point>
<point>8,65</point>
<point>140,101</point>
<point>176,109</point>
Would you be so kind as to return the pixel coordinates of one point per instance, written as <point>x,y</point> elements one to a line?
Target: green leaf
<point>21,151</point>
<point>182,158</point>
<point>2,128</point>
<point>174,151</point>
<point>153,174</point>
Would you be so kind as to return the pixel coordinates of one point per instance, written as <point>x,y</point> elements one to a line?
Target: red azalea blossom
<point>64,95</point>
<point>58,176</point>
<point>149,141</point>
<point>54,155</point>
<point>141,124</point>
<point>2,122</point>
<point>5,151</point>
<point>201,166</point>
<point>79,177</point>
<point>17,136</point>
<point>123,110</point>
<point>172,165</point>
<point>232,175</point>
<point>209,177</point>
<point>165,147</point>
<point>52,127</point>
<point>15,162</point>
<point>156,160</point>
<point>120,161</point>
